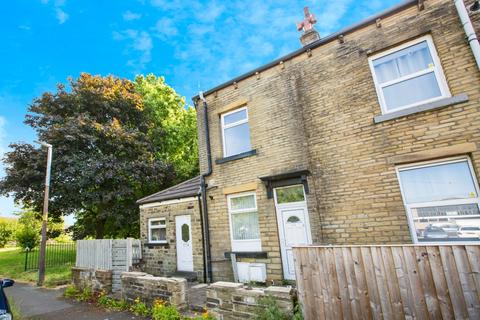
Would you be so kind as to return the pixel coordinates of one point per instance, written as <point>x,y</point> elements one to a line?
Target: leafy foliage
<point>139,308</point>
<point>270,310</point>
<point>175,132</point>
<point>27,237</point>
<point>7,230</point>
<point>70,292</point>
<point>28,228</point>
<point>114,142</point>
<point>161,311</point>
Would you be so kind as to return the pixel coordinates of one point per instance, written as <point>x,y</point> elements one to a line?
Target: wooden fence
<point>389,281</point>
<point>109,254</point>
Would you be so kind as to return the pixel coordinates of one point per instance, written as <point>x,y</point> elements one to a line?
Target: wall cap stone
<point>226,285</point>
<point>274,290</point>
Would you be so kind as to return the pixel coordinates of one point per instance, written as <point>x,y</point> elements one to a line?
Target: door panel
<point>294,233</point>
<point>184,243</point>
<point>293,226</point>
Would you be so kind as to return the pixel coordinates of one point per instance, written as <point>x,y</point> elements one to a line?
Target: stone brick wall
<point>149,288</point>
<point>161,259</point>
<point>229,300</point>
<point>97,280</point>
<point>315,111</point>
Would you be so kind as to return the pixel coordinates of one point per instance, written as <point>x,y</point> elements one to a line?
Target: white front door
<point>184,243</point>
<point>293,224</point>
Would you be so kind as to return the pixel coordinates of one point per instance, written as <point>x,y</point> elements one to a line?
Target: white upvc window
<point>442,200</point>
<point>408,75</point>
<point>235,132</point>
<point>244,228</point>
<point>157,230</point>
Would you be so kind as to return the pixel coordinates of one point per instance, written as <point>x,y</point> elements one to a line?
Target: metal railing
<point>57,254</point>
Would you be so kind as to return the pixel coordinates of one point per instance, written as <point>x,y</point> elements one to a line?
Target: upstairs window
<point>244,228</point>
<point>408,75</point>
<point>236,132</point>
<point>157,230</point>
<point>442,201</point>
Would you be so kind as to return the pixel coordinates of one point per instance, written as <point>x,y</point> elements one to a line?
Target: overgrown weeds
<point>160,310</point>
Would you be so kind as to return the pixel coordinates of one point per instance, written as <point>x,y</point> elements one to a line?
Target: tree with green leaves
<point>175,133</point>
<point>110,147</point>
<point>7,230</point>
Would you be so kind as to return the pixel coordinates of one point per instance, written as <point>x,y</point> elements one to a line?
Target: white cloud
<point>165,28</point>
<point>62,16</point>
<point>7,206</point>
<point>219,40</point>
<point>3,143</point>
<point>139,42</point>
<point>210,12</point>
<point>58,6</point>
<point>129,16</point>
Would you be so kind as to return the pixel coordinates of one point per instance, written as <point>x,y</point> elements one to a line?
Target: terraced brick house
<point>367,136</point>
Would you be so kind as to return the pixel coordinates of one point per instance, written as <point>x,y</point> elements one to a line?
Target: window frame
<point>293,203</point>
<point>408,207</point>
<point>160,226</point>
<point>245,245</point>
<point>437,71</point>
<point>231,125</point>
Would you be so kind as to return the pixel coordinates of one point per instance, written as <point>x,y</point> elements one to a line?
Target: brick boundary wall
<point>97,280</point>
<point>230,300</point>
<point>149,288</point>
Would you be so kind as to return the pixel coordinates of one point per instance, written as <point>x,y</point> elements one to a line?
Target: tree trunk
<point>99,228</point>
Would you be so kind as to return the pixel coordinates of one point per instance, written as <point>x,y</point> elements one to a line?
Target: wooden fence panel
<point>389,281</point>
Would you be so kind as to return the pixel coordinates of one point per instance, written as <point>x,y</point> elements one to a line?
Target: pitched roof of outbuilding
<point>189,188</point>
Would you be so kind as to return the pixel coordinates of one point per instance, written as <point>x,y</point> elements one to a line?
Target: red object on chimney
<point>308,21</point>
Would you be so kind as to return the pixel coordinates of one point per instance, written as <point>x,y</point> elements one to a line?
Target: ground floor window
<point>244,229</point>
<point>157,230</point>
<point>442,200</point>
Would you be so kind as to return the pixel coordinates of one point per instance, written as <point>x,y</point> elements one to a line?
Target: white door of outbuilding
<point>183,229</point>
<point>293,224</point>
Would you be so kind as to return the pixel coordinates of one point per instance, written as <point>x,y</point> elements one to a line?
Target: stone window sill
<point>253,254</point>
<point>421,108</point>
<point>157,244</point>
<point>237,156</point>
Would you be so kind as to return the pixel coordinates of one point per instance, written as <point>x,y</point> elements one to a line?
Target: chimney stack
<point>309,34</point>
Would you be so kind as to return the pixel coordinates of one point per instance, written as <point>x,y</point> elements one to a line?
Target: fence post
<point>26,259</point>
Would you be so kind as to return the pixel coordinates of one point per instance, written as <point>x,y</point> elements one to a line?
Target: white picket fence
<point>109,254</point>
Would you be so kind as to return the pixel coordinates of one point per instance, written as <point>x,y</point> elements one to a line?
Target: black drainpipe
<point>203,186</point>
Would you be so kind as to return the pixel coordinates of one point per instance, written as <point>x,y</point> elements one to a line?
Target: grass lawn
<point>12,264</point>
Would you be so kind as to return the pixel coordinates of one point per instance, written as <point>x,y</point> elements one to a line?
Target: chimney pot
<point>309,34</point>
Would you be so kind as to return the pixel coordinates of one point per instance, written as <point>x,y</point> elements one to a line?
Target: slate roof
<point>189,188</point>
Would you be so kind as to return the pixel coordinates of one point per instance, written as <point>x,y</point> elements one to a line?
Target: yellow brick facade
<point>316,111</point>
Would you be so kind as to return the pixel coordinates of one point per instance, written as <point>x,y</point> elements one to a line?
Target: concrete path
<point>40,303</point>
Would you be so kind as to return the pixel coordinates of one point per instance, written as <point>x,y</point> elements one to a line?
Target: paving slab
<point>41,304</point>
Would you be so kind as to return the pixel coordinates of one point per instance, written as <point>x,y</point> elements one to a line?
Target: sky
<point>195,45</point>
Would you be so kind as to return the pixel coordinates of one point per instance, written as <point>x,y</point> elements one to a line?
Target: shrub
<point>27,237</point>
<point>6,232</point>
<point>63,238</point>
<point>139,308</point>
<point>85,296</point>
<point>111,303</point>
<point>70,292</point>
<point>205,316</point>
<point>161,311</point>
<point>270,310</point>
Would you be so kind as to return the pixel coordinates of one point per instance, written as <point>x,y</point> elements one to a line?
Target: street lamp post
<point>43,243</point>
